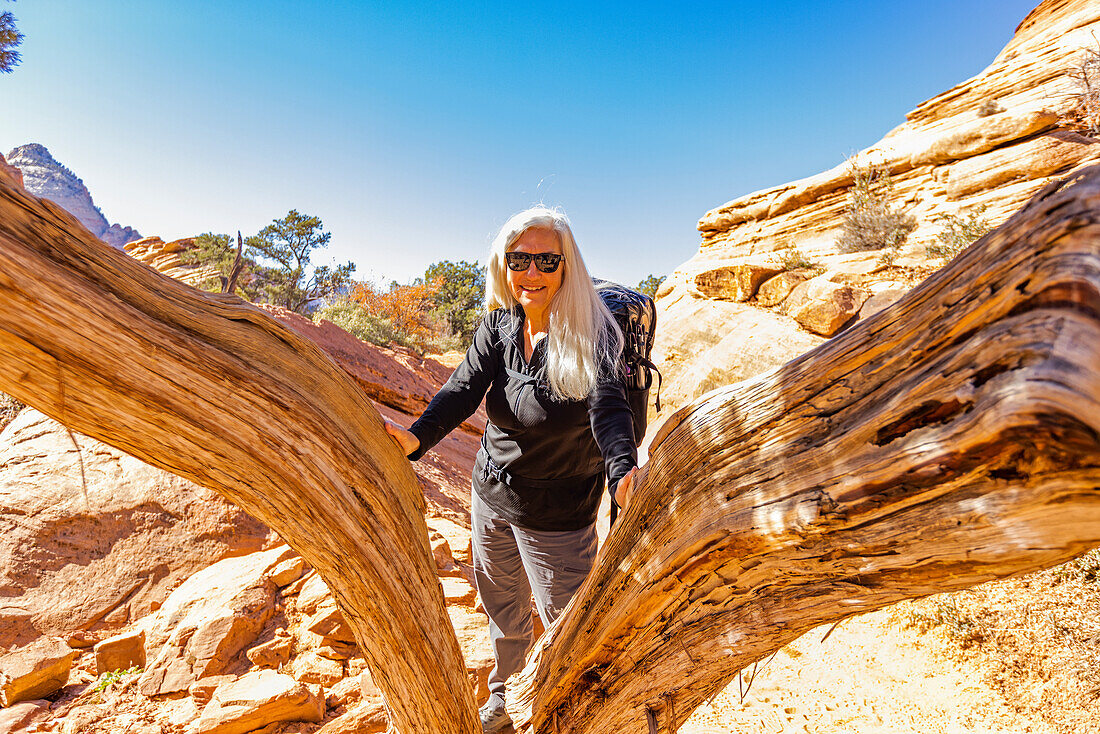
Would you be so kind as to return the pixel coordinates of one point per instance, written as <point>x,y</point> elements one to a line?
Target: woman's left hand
<point>625,488</point>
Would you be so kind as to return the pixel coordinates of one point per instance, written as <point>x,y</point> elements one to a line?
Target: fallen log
<point>951,439</point>
<point>211,388</point>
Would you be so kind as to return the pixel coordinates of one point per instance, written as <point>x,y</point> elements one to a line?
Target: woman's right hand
<point>405,438</point>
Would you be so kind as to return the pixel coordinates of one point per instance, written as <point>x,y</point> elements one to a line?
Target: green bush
<point>958,233</point>
<point>790,257</point>
<point>870,223</point>
<point>357,321</point>
<point>650,285</point>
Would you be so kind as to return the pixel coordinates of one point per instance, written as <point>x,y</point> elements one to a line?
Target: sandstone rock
<point>457,535</point>
<point>203,689</point>
<point>309,667</point>
<point>735,283</point>
<point>881,300</point>
<point>368,717</point>
<point>344,692</point>
<point>78,719</point>
<point>367,687</point>
<point>10,172</point>
<point>175,714</point>
<point>824,307</point>
<point>327,621</point>
<point>979,135</point>
<point>256,700</point>
<point>35,670</point>
<point>208,620</point>
<point>472,629</point>
<point>288,571</point>
<point>774,291</point>
<point>274,652</point>
<point>1036,158</point>
<point>23,715</point>
<point>313,593</point>
<point>705,344</point>
<point>457,590</point>
<point>441,551</point>
<point>120,652</point>
<point>337,650</point>
<point>92,537</point>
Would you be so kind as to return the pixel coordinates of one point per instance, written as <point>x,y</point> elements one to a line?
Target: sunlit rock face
<point>986,145</point>
<point>45,177</point>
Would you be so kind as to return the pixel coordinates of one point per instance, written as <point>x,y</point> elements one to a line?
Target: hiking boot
<point>494,717</point>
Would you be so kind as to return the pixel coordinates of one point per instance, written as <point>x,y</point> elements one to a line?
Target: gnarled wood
<point>949,440</point>
<point>209,387</point>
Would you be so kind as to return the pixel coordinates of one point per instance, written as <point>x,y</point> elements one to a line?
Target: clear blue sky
<point>415,129</point>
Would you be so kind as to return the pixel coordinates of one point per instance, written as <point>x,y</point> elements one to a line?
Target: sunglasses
<point>546,262</point>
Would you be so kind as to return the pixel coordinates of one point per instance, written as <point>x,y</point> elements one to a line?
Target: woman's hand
<point>405,438</point>
<point>625,488</point>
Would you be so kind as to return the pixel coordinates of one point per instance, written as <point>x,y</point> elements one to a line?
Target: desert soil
<point>872,675</point>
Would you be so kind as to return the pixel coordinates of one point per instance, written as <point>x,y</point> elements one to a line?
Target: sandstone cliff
<point>992,141</point>
<point>43,176</point>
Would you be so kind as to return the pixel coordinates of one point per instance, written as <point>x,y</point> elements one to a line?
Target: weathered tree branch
<point>949,440</point>
<point>209,387</point>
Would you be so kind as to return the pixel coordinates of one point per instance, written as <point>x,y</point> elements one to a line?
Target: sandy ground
<point>873,676</point>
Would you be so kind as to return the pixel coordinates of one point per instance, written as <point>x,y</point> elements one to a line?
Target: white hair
<point>583,340</point>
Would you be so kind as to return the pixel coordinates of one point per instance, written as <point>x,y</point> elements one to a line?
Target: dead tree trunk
<point>209,387</point>
<point>946,441</point>
<point>949,440</point>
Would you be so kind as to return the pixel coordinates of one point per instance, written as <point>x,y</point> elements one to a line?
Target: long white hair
<point>583,340</point>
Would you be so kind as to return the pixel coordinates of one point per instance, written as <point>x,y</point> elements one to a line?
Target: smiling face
<point>532,288</point>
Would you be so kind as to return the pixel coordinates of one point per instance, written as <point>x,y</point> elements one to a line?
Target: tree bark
<point>211,388</point>
<point>951,439</point>
<point>946,441</point>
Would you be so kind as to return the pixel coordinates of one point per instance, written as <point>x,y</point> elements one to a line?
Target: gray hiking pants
<point>510,563</point>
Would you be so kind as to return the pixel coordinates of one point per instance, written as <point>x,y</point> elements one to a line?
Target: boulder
<point>23,715</point>
<point>457,535</point>
<point>35,671</point>
<point>472,630</point>
<point>256,700</point>
<point>120,652</point>
<point>288,571</point>
<point>207,621</point>
<point>774,291</point>
<point>274,652</point>
<point>457,590</point>
<point>367,717</point>
<point>343,692</point>
<point>881,300</point>
<point>201,691</point>
<point>737,282</point>
<point>92,538</point>
<point>824,307</point>
<point>441,552</point>
<point>314,592</point>
<point>327,621</point>
<point>311,667</point>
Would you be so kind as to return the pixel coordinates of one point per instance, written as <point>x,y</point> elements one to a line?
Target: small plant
<point>111,677</point>
<point>990,107</point>
<point>791,258</point>
<point>1084,568</point>
<point>1086,77</point>
<point>870,223</point>
<point>958,233</point>
<point>945,613</point>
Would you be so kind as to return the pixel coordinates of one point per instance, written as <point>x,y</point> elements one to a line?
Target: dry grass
<point>1086,78</point>
<point>9,408</point>
<point>1036,638</point>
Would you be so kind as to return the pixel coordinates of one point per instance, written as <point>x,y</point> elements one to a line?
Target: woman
<point>547,356</point>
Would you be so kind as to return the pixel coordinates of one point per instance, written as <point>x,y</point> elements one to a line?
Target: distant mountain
<point>43,176</point>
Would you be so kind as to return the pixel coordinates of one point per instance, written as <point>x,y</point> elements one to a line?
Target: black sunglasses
<point>546,262</point>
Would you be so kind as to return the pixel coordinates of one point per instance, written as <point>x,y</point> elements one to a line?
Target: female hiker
<point>546,356</point>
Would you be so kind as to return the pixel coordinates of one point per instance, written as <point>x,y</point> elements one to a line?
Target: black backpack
<point>636,315</point>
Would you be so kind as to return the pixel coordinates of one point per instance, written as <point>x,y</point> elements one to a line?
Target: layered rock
<point>91,537</point>
<point>167,257</point>
<point>45,177</point>
<point>989,142</point>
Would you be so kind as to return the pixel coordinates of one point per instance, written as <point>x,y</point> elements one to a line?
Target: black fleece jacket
<point>542,461</point>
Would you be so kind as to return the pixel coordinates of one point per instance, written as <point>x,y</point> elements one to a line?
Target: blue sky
<point>414,129</point>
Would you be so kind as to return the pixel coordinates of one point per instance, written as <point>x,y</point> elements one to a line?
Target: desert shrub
<point>944,612</point>
<point>458,298</point>
<point>1084,568</point>
<point>9,408</point>
<point>870,223</point>
<point>790,257</point>
<point>990,107</point>
<point>1086,77</point>
<point>350,316</point>
<point>958,233</point>
<point>410,311</point>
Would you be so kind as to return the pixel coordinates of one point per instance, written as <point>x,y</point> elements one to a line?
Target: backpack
<point>636,315</point>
